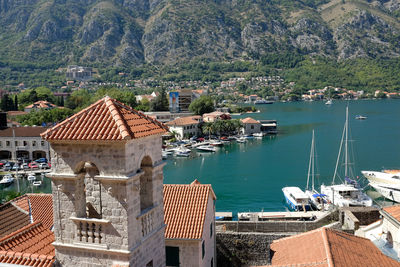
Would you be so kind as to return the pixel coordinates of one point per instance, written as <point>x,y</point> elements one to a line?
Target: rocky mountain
<point>133,32</point>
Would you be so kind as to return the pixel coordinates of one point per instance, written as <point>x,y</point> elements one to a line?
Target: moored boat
<point>347,193</point>
<point>206,148</point>
<point>361,117</point>
<point>37,183</point>
<point>31,177</point>
<point>296,199</point>
<point>387,191</point>
<point>6,180</point>
<point>388,177</point>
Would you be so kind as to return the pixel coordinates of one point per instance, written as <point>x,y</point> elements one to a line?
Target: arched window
<point>389,239</point>
<point>146,184</point>
<point>88,192</point>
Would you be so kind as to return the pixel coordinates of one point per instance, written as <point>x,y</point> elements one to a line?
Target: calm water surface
<point>250,176</point>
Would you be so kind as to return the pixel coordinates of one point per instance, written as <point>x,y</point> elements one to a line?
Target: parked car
<point>41,160</point>
<point>33,165</point>
<point>16,167</point>
<point>44,166</point>
<point>25,166</point>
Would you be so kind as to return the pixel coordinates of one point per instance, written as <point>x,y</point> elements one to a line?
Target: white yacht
<point>296,198</point>
<point>329,102</point>
<point>389,177</point>
<point>387,183</point>
<point>6,180</point>
<point>206,148</point>
<point>347,193</point>
<point>391,192</point>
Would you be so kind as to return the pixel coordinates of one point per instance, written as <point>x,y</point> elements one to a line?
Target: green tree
<point>16,102</point>
<point>204,104</point>
<point>44,116</point>
<point>144,105</point>
<point>6,103</point>
<point>78,100</point>
<point>124,96</point>
<point>160,103</point>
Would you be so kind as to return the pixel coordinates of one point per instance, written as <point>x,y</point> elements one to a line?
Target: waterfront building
<point>40,105</point>
<point>166,116</point>
<point>216,115</point>
<point>23,142</point>
<point>186,126</point>
<point>327,247</point>
<point>250,126</point>
<point>190,219</point>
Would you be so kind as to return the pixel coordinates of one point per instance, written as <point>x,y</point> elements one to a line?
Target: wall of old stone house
<point>392,228</point>
<point>129,233</point>
<point>189,251</point>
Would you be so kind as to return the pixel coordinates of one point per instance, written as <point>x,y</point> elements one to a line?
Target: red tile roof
<point>39,206</point>
<point>184,121</point>
<point>327,247</point>
<point>393,211</point>
<point>41,104</point>
<point>12,218</point>
<point>42,208</point>
<point>249,120</point>
<point>107,119</point>
<point>30,246</point>
<point>185,209</point>
<point>22,131</point>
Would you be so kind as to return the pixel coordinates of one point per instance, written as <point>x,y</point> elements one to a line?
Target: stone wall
<point>353,217</point>
<point>244,249</point>
<point>277,226</point>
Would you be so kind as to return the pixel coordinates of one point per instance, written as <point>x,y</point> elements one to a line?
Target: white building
<point>186,126</point>
<point>250,126</point>
<point>23,142</point>
<point>190,219</point>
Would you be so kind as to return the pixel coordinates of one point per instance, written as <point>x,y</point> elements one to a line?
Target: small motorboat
<point>31,177</point>
<point>361,117</point>
<point>329,102</point>
<point>216,143</point>
<point>206,148</point>
<point>241,140</point>
<point>6,180</point>
<point>260,134</point>
<point>37,183</point>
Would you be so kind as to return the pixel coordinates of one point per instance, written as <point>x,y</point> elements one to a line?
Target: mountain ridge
<point>136,32</point>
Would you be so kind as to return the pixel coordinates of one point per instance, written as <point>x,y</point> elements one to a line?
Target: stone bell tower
<point>107,184</point>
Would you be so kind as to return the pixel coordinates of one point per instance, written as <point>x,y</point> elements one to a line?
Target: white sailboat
<point>347,193</point>
<point>318,201</point>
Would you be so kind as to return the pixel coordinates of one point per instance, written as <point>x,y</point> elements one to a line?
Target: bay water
<point>250,176</point>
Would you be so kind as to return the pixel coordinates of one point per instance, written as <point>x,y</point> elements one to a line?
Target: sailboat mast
<point>345,144</point>
<point>310,161</point>
<point>312,167</point>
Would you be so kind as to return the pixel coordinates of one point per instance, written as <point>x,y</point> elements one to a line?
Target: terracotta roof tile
<point>29,246</point>
<point>327,247</point>
<point>12,218</point>
<point>184,121</point>
<point>42,208</point>
<point>393,211</point>
<point>41,104</point>
<point>249,120</point>
<point>22,131</point>
<point>107,119</point>
<point>185,209</point>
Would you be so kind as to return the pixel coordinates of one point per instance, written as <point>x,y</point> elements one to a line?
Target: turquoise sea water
<point>250,176</point>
